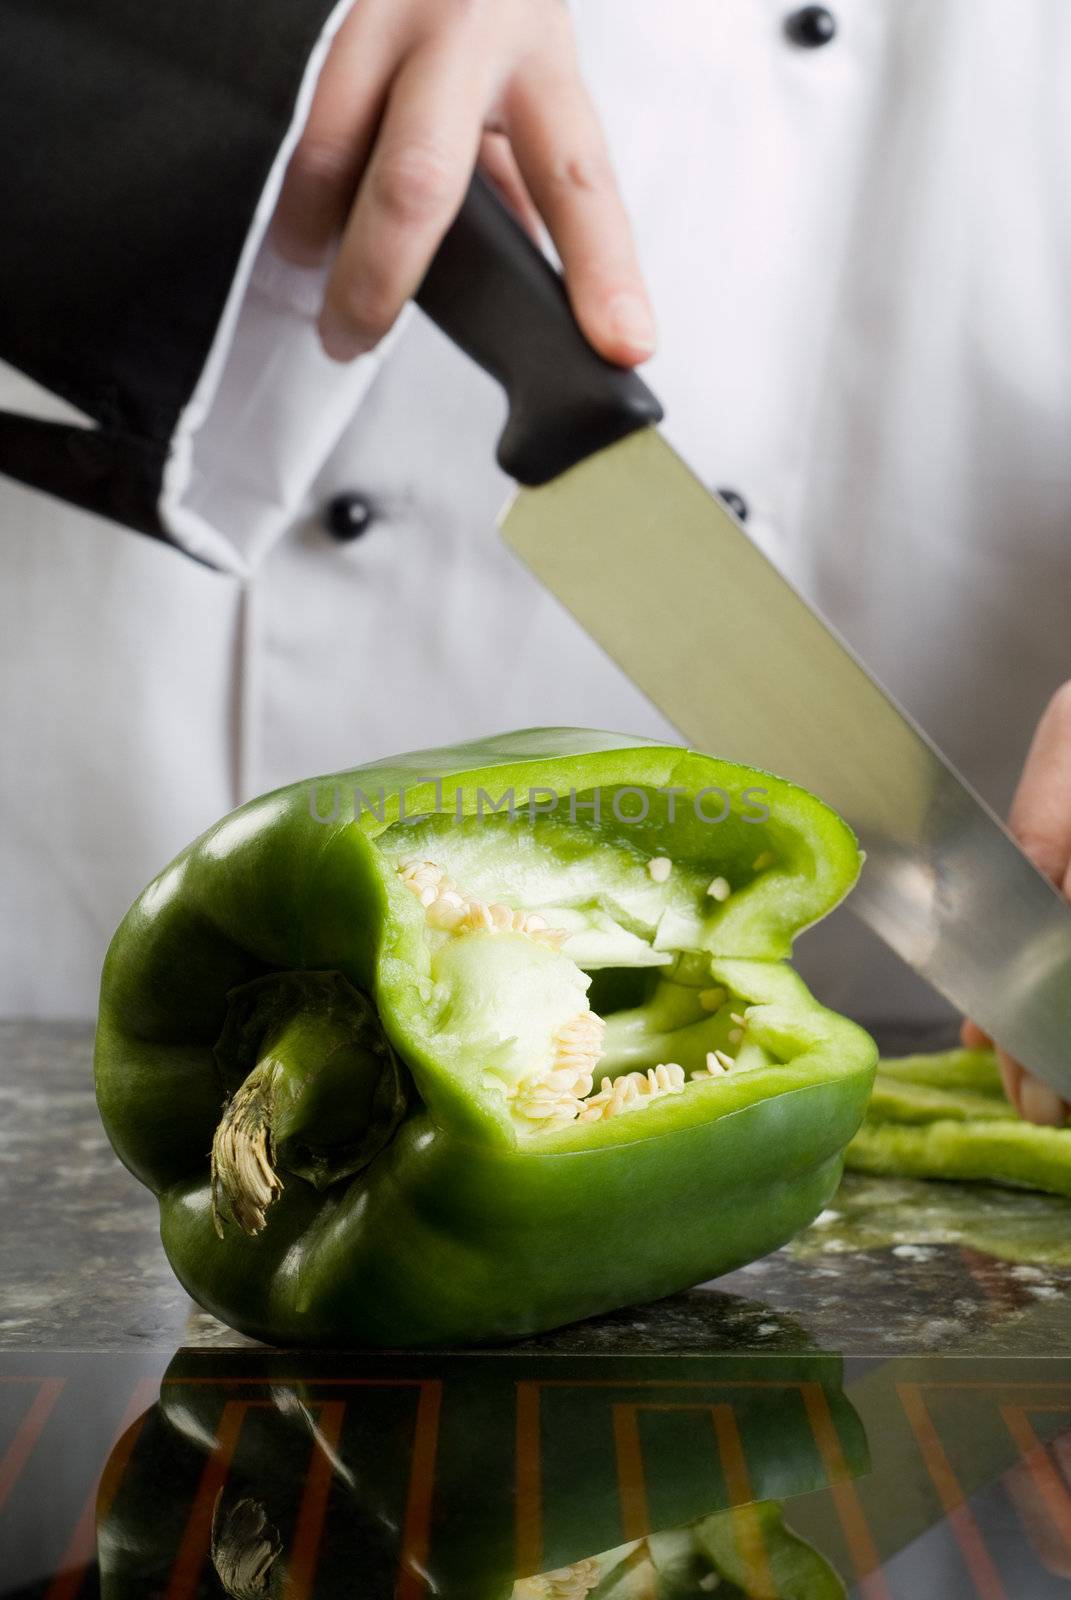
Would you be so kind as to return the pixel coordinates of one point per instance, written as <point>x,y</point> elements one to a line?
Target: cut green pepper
<point>482,1040</point>
<point>275,1435</point>
<point>945,1116</point>
<point>747,1553</point>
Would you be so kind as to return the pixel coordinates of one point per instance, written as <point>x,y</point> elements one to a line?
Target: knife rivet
<point>347,516</point>
<point>735,501</point>
<point>811,27</point>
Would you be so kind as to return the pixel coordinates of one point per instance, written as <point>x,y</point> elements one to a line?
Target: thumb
<point>1040,819</point>
<point>1040,816</point>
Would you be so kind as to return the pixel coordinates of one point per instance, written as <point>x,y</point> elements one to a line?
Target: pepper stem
<point>245,1547</point>
<point>244,1182</point>
<point>315,1092</point>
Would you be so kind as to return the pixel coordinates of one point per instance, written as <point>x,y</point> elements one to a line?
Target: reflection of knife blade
<point>659,572</point>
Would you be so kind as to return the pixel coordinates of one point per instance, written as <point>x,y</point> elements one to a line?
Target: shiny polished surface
<point>706,1444</point>
<point>513,1477</point>
<point>892,1267</point>
<point>661,574</point>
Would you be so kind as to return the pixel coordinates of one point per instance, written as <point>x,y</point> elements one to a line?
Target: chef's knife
<point>663,576</point>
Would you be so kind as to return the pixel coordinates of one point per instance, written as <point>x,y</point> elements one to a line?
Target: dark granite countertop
<point>892,1267</point>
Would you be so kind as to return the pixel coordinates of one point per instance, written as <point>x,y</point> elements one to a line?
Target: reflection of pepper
<point>326,1482</point>
<point>748,1553</point>
<point>945,1116</point>
<point>487,1074</point>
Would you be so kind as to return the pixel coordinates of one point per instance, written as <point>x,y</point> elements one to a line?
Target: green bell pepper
<point>276,1435</point>
<point>482,1040</point>
<point>945,1116</point>
<point>748,1553</point>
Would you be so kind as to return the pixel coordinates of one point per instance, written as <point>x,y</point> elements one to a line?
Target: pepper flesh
<point>945,1115</point>
<point>466,1219</point>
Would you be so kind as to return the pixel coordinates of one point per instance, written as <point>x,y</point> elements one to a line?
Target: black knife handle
<point>496,296</point>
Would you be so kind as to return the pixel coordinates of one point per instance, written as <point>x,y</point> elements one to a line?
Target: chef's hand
<point>1041,821</point>
<point>412,95</point>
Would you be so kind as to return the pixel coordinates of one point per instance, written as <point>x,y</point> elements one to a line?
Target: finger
<point>1035,1101</point>
<point>559,147</point>
<point>1011,1076</point>
<point>1032,1099</point>
<point>498,163</point>
<point>1046,1537</point>
<point>1061,1449</point>
<point>324,170</point>
<point>1040,815</point>
<point>1040,819</point>
<point>410,192</point>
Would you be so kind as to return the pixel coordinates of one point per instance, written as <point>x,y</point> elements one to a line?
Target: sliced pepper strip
<point>944,1115</point>
<point>378,1015</point>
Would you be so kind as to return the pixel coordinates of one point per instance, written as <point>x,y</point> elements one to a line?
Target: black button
<point>811,26</point>
<point>347,516</point>
<point>736,502</point>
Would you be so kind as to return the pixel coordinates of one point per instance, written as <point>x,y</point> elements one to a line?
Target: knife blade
<point>663,576</point>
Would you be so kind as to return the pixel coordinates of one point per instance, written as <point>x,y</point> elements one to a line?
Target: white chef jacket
<point>859,260</point>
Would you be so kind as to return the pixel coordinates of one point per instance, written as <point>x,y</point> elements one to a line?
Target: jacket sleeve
<point>139,144</point>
